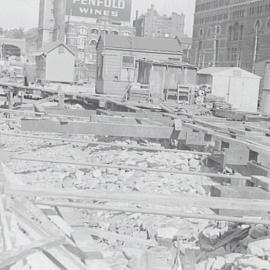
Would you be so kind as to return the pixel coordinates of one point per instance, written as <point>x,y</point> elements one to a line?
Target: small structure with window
<point>55,63</point>
<point>117,59</point>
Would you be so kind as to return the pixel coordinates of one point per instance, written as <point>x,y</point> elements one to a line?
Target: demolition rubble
<point>119,240</point>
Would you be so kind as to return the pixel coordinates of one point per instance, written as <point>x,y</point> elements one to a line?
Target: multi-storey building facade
<point>80,33</point>
<point>231,33</point>
<point>151,24</point>
<point>82,37</point>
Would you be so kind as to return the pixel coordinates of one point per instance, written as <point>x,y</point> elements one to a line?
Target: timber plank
<point>174,200</point>
<point>101,129</point>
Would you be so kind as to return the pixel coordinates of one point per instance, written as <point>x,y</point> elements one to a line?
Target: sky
<point>24,13</point>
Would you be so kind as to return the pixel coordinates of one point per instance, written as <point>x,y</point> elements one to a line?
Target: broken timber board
<point>60,254</point>
<point>11,257</point>
<point>101,129</point>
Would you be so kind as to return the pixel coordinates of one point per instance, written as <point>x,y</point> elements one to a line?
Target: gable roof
<point>212,70</point>
<point>142,44</point>
<point>226,71</point>
<point>47,48</point>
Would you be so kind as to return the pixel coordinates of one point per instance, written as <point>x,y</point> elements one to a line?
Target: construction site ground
<point>127,208</point>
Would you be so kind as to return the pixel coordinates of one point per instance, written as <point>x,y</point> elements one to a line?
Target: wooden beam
<point>265,131</point>
<point>101,129</point>
<point>133,168</point>
<point>167,212</point>
<point>23,113</point>
<point>125,146</point>
<point>111,104</point>
<point>9,258</point>
<point>179,200</point>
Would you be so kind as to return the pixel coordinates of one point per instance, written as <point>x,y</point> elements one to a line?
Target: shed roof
<point>142,43</point>
<point>227,71</point>
<point>167,63</point>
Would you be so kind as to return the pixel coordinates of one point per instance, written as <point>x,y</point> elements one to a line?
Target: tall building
<point>51,26</point>
<point>231,33</point>
<point>82,36</point>
<point>151,24</point>
<point>79,24</point>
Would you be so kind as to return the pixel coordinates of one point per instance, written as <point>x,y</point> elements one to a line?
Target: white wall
<point>60,66</point>
<point>220,86</point>
<point>241,92</point>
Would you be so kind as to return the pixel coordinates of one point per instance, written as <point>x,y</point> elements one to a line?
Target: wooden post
<point>10,99</point>
<point>22,97</point>
<point>4,225</point>
<point>61,98</point>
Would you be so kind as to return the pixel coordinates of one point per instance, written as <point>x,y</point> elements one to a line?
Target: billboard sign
<point>115,10</point>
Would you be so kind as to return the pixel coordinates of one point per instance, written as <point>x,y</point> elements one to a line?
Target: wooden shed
<point>164,76</point>
<point>117,59</point>
<point>55,63</point>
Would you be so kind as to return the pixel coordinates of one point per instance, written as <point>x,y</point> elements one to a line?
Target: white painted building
<point>55,63</point>
<point>239,87</point>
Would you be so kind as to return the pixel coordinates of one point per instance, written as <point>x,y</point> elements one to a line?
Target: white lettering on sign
<point>91,11</point>
<point>116,9</point>
<point>117,4</point>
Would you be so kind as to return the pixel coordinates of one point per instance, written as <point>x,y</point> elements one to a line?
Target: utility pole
<point>255,47</point>
<point>215,47</point>
<point>238,64</point>
<point>203,60</point>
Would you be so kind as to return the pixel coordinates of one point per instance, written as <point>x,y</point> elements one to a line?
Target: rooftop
<point>143,43</point>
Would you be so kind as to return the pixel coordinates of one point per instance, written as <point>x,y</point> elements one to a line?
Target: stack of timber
<point>138,93</point>
<point>218,102</point>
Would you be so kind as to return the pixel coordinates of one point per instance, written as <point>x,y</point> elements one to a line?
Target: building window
<point>230,33</point>
<point>128,68</point>
<point>128,61</point>
<point>241,32</point>
<point>257,25</point>
<point>81,56</point>
<point>83,31</point>
<point>94,31</point>
<point>106,32</point>
<point>234,54</point>
<point>229,54</point>
<point>268,24</point>
<point>236,31</point>
<point>127,33</point>
<point>81,43</point>
<point>93,43</point>
<point>209,31</point>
